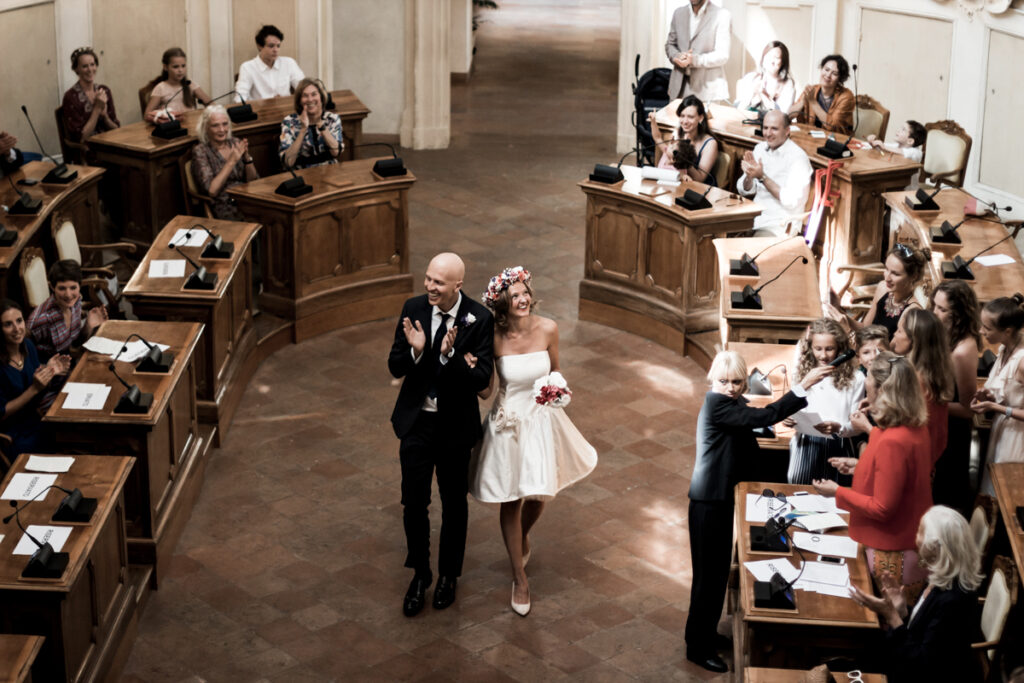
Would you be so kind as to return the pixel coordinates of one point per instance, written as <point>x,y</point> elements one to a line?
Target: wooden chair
<point>947,148</point>
<point>144,93</point>
<point>983,523</point>
<point>72,151</point>
<point>198,204</point>
<point>100,281</point>
<point>32,271</point>
<point>872,118</point>
<point>723,168</point>
<point>999,599</point>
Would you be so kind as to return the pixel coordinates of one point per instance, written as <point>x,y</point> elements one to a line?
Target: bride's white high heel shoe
<point>520,608</point>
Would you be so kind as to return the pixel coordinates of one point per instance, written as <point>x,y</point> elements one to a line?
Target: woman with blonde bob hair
<point>725,442</point>
<point>933,642</point>
<point>220,161</point>
<point>892,480</point>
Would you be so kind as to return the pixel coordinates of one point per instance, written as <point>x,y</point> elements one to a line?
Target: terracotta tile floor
<point>291,566</point>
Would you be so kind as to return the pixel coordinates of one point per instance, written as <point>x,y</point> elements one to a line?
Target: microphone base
<point>81,513</point>
<point>225,250</point>
<point>7,236</point>
<point>773,594</point>
<point>242,113</point>
<point>763,541</point>
<point>387,168</point>
<point>604,173</point>
<point>945,234</point>
<point>293,187</point>
<point>835,153</point>
<point>168,130</point>
<point>951,270</point>
<point>758,384</point>
<point>743,266</point>
<point>134,402</point>
<point>693,201</point>
<point>745,300</point>
<point>61,175</point>
<point>922,201</point>
<point>45,564</point>
<point>159,362</point>
<point>25,206</point>
<point>201,281</point>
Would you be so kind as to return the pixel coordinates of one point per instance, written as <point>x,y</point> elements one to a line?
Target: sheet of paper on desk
<point>133,350</point>
<point>823,589</point>
<point>764,569</point>
<point>824,572</point>
<point>812,502</point>
<point>45,463</point>
<point>91,398</point>
<point>758,507</point>
<point>817,134</point>
<point>56,536</point>
<point>820,522</point>
<point>26,486</point>
<point>196,237</point>
<point>167,268</point>
<point>823,544</point>
<point>994,260</point>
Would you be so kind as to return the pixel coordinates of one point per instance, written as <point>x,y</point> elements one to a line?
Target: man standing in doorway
<point>698,47</point>
<point>267,74</point>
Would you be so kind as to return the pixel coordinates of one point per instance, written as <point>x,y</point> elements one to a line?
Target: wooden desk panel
<point>337,256</point>
<point>649,265</point>
<point>1008,482</point>
<point>975,234</point>
<point>168,441</point>
<point>83,615</point>
<point>77,201</point>
<point>820,626</point>
<point>226,312</point>
<point>147,167</point>
<point>18,656</point>
<point>790,303</point>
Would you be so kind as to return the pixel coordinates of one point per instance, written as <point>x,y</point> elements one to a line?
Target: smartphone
<point>832,560</point>
<point>28,181</point>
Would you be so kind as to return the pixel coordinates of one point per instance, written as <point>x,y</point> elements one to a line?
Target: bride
<point>530,450</point>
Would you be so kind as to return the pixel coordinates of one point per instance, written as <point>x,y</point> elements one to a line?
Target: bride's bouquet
<point>552,390</point>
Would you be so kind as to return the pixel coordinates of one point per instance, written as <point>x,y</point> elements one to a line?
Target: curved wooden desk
<point>338,255</point>
<point>146,168</point>
<point>650,267</point>
<point>77,201</point>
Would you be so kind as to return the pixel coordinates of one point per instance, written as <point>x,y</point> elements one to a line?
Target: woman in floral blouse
<point>311,136</point>
<point>88,107</point>
<point>220,161</point>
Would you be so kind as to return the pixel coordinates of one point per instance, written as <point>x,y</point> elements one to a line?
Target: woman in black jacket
<point>724,439</point>
<point>933,642</point>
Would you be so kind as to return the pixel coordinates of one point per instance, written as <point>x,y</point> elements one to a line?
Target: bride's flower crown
<point>499,283</point>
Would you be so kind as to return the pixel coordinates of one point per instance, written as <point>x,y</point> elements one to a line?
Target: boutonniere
<point>467,320</point>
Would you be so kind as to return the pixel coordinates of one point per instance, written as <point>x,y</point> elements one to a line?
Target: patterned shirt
<point>313,151</point>
<point>77,109</point>
<point>49,332</point>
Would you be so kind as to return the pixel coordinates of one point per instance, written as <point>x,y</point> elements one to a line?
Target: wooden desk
<point>1008,482</point>
<point>820,626</point>
<point>851,232</point>
<point>759,675</point>
<point>77,201</point>
<point>990,282</point>
<point>790,303</point>
<point>170,444</point>
<point>18,657</point>
<point>146,168</point>
<point>765,357</point>
<point>337,256</point>
<point>648,265</point>
<point>86,614</point>
<point>226,312</point>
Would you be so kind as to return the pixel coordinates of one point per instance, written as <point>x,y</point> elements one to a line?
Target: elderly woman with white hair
<point>220,161</point>
<point>933,642</point>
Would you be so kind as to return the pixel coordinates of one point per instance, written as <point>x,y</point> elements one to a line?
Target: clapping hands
<point>751,167</point>
<point>892,605</point>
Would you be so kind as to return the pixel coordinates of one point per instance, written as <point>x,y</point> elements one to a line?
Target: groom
<point>437,419</point>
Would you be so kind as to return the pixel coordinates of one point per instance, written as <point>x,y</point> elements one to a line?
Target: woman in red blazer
<point>892,480</point>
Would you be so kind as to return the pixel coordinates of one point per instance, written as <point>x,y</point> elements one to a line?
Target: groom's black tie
<point>435,350</point>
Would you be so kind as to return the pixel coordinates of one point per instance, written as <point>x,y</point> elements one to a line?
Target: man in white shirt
<point>267,74</point>
<point>698,46</point>
<point>777,175</point>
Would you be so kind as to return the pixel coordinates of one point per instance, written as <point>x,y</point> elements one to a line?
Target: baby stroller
<point>650,93</point>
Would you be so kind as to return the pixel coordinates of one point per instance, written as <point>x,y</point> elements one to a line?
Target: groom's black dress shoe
<point>708,660</point>
<point>416,596</point>
<point>444,593</point>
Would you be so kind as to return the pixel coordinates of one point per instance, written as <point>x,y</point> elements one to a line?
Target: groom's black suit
<point>439,440</point>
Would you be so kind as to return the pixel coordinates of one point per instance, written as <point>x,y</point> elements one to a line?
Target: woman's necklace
<point>18,363</point>
<point>893,309</point>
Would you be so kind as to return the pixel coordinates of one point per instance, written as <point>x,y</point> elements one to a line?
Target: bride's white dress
<point>528,450</point>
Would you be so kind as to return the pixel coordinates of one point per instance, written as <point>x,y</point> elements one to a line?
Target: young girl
<point>724,440</point>
<point>169,95</point>
<point>870,341</point>
<point>833,400</point>
<point>909,141</point>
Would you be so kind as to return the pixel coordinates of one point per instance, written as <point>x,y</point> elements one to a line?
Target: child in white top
<point>909,141</point>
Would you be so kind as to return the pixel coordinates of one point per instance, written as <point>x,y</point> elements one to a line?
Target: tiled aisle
<point>291,566</point>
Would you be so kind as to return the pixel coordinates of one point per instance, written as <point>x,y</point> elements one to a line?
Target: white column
<point>73,21</point>
<point>461,37</point>
<point>222,71</point>
<point>636,36</point>
<point>426,121</point>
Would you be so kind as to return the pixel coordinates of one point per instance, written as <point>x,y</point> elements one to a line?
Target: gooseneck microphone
<point>217,247</point>
<point>747,266</point>
<point>155,360</point>
<point>750,298</point>
<point>199,279</point>
<point>922,201</point>
<point>959,269</point>
<point>170,129</point>
<point>44,563</point>
<point>60,174</point>
<point>946,233</point>
<point>240,113</point>
<point>26,205</point>
<point>387,168</point>
<point>132,401</point>
<point>293,187</point>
